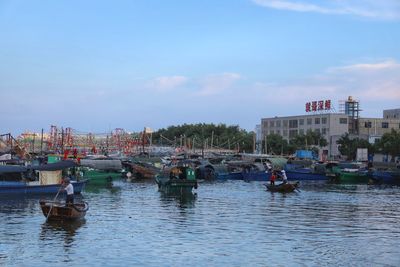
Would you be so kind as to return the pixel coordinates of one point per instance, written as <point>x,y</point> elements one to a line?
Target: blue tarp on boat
<point>60,165</point>
<point>12,169</point>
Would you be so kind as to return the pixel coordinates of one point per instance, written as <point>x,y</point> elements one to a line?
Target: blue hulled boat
<point>23,180</point>
<point>36,188</point>
<point>227,171</point>
<point>386,177</point>
<point>301,173</point>
<point>255,172</point>
<point>304,174</point>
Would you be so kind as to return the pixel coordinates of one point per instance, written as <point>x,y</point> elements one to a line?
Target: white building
<point>391,113</point>
<point>331,125</point>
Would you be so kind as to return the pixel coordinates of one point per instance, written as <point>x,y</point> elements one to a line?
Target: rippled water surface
<point>224,224</point>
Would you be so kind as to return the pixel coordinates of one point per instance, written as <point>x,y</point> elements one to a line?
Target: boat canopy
<point>12,168</point>
<point>277,162</point>
<point>102,164</point>
<point>60,165</point>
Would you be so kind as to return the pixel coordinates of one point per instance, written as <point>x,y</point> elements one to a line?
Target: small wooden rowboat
<point>60,211</point>
<point>283,188</point>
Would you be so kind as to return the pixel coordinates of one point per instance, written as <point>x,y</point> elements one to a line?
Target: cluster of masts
<point>59,140</point>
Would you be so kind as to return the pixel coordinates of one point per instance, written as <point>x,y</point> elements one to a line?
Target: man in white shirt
<point>68,187</point>
<point>284,177</point>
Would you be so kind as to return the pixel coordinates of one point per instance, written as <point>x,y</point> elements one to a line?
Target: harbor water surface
<point>231,223</point>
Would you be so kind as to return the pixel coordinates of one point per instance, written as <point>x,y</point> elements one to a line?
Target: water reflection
<point>112,188</point>
<point>226,224</point>
<point>63,231</point>
<point>183,200</point>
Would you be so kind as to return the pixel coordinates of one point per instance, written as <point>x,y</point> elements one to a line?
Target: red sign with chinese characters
<point>320,105</point>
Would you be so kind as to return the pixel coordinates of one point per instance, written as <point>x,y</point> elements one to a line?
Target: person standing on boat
<point>284,177</point>
<point>273,178</point>
<point>69,188</point>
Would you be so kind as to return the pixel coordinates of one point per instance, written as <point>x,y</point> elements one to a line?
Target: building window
<point>309,121</point>
<point>285,123</point>
<point>301,131</point>
<point>324,131</point>
<point>317,130</point>
<point>292,133</point>
<point>278,123</point>
<point>385,125</point>
<point>271,132</point>
<point>284,132</point>
<point>271,124</point>
<point>317,121</point>
<point>293,124</point>
<point>343,120</point>
<point>278,132</point>
<point>368,124</point>
<point>301,121</point>
<point>324,120</point>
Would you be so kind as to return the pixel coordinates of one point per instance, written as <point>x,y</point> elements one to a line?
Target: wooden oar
<point>51,207</point>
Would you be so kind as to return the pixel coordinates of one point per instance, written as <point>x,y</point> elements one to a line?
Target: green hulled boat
<point>101,172</point>
<point>177,180</point>
<point>100,177</point>
<point>347,173</point>
<point>353,177</point>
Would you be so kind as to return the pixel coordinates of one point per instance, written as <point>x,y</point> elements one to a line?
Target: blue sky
<point>99,65</point>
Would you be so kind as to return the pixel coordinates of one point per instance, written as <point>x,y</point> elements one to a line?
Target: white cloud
<point>373,67</point>
<point>378,81</point>
<point>166,83</point>
<point>217,83</point>
<point>378,9</point>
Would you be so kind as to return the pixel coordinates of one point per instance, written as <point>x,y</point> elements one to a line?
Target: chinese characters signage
<point>318,105</point>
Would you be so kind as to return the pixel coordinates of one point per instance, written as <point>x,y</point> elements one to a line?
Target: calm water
<point>225,224</point>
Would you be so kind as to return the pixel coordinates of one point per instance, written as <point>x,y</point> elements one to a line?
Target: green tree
<point>390,144</point>
<point>277,145</point>
<point>309,141</point>
<point>206,135</point>
<point>348,146</point>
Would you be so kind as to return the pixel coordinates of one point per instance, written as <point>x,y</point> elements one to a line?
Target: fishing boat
<point>100,177</point>
<point>41,179</point>
<point>255,172</point>
<point>305,174</point>
<point>177,179</point>
<point>388,176</point>
<point>310,171</point>
<point>228,171</point>
<point>354,177</point>
<point>347,173</point>
<point>283,188</point>
<point>100,171</point>
<point>62,212</point>
<point>140,170</point>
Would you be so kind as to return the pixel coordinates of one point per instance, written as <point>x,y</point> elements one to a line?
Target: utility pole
<point>266,145</point>
<point>107,145</point>
<point>144,131</point>
<point>11,141</point>
<point>254,143</point>
<point>202,149</point>
<point>62,140</point>
<point>33,144</point>
<point>41,143</point>
<point>212,139</point>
